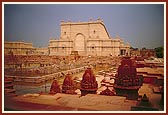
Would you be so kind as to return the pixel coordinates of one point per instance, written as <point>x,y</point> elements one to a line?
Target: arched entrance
<point>79,43</point>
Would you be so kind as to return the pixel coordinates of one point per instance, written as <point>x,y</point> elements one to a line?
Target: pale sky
<point>142,25</point>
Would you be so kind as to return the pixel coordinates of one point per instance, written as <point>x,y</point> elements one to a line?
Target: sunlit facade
<point>23,48</point>
<point>88,38</point>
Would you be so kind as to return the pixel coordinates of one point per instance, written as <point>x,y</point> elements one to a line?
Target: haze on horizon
<point>141,25</point>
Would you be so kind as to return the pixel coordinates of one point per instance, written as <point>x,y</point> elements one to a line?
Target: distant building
<point>82,38</point>
<point>41,51</point>
<point>135,52</point>
<point>148,53</point>
<point>145,53</point>
<point>87,38</point>
<point>17,48</point>
<point>23,48</point>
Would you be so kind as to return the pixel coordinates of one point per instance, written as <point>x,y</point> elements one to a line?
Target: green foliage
<point>159,52</point>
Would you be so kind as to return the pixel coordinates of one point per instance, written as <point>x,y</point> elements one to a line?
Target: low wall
<point>44,78</point>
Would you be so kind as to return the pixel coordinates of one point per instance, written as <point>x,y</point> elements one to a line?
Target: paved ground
<point>66,102</point>
<point>154,98</point>
<point>60,102</point>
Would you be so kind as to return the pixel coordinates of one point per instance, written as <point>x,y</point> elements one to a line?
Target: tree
<point>159,52</point>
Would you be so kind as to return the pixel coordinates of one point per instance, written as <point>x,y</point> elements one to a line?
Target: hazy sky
<point>142,25</point>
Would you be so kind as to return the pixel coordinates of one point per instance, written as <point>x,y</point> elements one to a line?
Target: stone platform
<point>67,102</point>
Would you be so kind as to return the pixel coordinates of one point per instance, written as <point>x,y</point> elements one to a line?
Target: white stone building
<point>88,38</point>
<point>23,48</point>
<point>17,48</point>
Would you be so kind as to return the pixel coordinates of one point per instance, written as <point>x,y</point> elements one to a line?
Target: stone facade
<point>17,48</point>
<point>23,48</point>
<point>88,38</point>
<point>85,38</point>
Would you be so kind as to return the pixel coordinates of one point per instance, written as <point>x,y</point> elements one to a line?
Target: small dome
<point>127,74</point>
<point>89,82</point>
<point>68,85</point>
<point>55,88</point>
<point>89,76</point>
<point>68,80</point>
